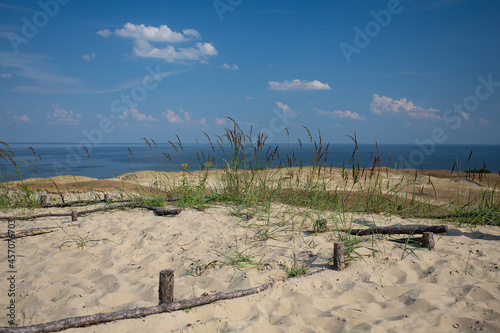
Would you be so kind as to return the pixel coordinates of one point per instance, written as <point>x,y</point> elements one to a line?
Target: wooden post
<point>166,290</point>
<point>428,240</point>
<point>74,216</point>
<point>338,256</point>
<point>43,200</point>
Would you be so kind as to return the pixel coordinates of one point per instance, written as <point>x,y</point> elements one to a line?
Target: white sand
<point>454,288</point>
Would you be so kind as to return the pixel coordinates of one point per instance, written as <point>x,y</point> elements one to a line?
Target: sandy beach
<point>110,261</point>
<point>249,166</point>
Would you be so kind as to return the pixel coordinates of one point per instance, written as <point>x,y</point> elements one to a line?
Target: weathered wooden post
<point>74,216</point>
<point>166,290</point>
<point>43,200</point>
<point>338,256</point>
<point>428,240</point>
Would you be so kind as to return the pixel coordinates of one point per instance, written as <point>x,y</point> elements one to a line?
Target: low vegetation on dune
<point>245,181</point>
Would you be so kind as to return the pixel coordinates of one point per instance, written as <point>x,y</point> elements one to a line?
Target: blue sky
<point>116,71</point>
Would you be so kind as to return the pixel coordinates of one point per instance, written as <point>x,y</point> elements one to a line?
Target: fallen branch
<point>92,202</point>
<point>100,318</point>
<point>159,211</point>
<point>27,232</point>
<point>20,218</point>
<point>163,212</point>
<point>406,230</point>
<point>71,203</point>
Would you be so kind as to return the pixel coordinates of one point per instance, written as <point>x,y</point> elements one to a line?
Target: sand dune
<point>111,262</point>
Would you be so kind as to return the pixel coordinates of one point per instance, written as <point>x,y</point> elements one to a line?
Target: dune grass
<point>242,180</point>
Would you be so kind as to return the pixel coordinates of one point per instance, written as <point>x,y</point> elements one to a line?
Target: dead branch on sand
<point>27,232</point>
<point>100,318</point>
<point>406,230</point>
<point>159,211</point>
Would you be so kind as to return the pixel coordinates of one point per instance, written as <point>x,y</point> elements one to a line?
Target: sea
<point>109,160</point>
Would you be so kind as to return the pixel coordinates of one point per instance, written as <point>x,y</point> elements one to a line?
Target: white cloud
<point>249,97</point>
<point>415,73</point>
<point>197,53</point>
<point>22,119</point>
<point>171,116</point>
<point>88,57</point>
<point>174,118</point>
<point>156,34</point>
<point>191,33</point>
<point>104,33</point>
<point>386,105</point>
<point>340,114</point>
<point>6,75</point>
<point>298,85</point>
<point>144,35</point>
<point>61,116</point>
<point>187,115</point>
<point>286,109</point>
<point>141,116</point>
<point>231,67</point>
<point>220,121</point>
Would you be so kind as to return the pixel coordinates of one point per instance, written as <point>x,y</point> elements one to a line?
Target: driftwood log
<point>163,212</point>
<point>27,232</point>
<point>159,211</point>
<point>100,318</point>
<point>398,230</point>
<point>45,204</point>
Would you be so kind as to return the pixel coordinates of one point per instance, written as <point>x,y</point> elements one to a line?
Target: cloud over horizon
<point>22,119</point>
<point>62,116</point>
<point>297,84</point>
<point>340,114</point>
<point>386,105</point>
<point>141,116</point>
<point>184,118</point>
